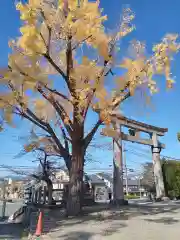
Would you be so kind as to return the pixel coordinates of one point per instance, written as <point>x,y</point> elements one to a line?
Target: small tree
<point>57,75</point>
<point>45,173</point>
<point>44,153</point>
<point>148,177</point>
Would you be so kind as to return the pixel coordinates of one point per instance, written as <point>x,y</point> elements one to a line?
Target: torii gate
<point>136,128</point>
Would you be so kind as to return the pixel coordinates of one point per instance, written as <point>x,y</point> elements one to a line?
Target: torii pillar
<point>118,188</point>
<point>158,176</point>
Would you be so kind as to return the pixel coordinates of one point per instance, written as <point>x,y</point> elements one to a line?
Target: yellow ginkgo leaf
<point>103,50</point>
<point>169,83</point>
<point>8,115</point>
<point>85,60</point>
<point>127,63</point>
<point>31,146</point>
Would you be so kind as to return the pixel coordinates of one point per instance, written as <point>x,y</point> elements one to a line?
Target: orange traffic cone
<point>39,225</point>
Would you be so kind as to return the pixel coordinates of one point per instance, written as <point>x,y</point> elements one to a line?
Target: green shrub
<point>131,196</point>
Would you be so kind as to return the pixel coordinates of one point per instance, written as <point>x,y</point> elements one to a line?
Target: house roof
<point>106,176</point>
<point>95,179</point>
<point>131,182</point>
<point>16,178</point>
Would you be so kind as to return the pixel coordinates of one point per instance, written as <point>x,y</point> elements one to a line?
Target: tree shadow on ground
<point>164,220</point>
<point>77,235</point>
<point>84,235</point>
<point>114,227</point>
<point>108,215</point>
<point>105,213</point>
<point>11,231</point>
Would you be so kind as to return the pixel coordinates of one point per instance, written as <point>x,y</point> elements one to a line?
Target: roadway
<point>15,231</point>
<point>15,205</point>
<point>11,207</point>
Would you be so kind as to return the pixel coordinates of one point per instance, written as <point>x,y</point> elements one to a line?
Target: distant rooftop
<point>95,179</point>
<point>106,176</point>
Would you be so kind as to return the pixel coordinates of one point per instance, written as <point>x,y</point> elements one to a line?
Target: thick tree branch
<point>69,65</point>
<point>91,134</point>
<point>28,114</point>
<point>46,127</point>
<point>56,67</point>
<point>91,94</point>
<point>120,99</point>
<point>59,109</point>
<point>63,151</point>
<point>65,138</point>
<point>81,42</point>
<point>47,54</point>
<point>58,93</point>
<point>89,137</point>
<point>23,114</point>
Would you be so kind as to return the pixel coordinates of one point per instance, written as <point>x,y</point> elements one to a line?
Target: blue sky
<point>153,20</point>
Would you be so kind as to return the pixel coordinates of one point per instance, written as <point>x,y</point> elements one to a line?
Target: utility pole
<point>140,195</point>
<point>126,173</point>
<point>3,199</point>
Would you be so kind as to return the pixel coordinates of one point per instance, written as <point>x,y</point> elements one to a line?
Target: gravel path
<point>139,223</point>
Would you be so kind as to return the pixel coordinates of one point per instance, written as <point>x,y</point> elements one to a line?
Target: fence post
<point>44,194</point>
<point>39,194</point>
<point>36,196</point>
<point>33,195</point>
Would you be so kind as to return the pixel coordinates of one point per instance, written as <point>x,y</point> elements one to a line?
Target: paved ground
<point>150,222</point>
<point>144,221</point>
<point>10,231</point>
<point>11,207</point>
<point>7,230</point>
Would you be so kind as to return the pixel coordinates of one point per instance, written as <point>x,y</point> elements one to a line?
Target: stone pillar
<point>118,191</point>
<point>158,176</point>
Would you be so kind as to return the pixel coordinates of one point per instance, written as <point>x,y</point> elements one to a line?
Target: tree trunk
<point>75,189</point>
<point>49,189</point>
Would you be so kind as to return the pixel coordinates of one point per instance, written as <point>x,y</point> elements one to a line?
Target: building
<point>100,184</point>
<point>13,187</point>
<point>133,185</point>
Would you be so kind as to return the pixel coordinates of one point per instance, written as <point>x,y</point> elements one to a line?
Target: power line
<point>147,151</point>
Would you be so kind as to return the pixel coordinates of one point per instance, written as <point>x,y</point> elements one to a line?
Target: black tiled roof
<point>95,179</point>
<point>109,178</point>
<point>106,176</point>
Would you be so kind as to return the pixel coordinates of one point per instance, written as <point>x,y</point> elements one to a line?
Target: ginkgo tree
<point>57,73</point>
